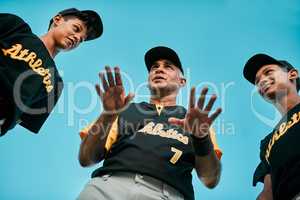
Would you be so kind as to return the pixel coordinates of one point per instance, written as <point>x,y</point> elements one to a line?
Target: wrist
<point>108,116</point>
<point>201,135</point>
<point>202,145</point>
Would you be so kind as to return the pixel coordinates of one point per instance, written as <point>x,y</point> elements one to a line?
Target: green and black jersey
<point>146,143</point>
<point>28,75</point>
<point>280,157</point>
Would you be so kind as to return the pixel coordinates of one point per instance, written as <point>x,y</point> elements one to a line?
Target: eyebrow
<point>165,62</point>
<point>264,70</point>
<point>80,26</point>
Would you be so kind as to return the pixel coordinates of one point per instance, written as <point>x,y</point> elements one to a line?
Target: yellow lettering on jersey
<point>283,128</point>
<point>176,156</point>
<point>13,51</point>
<point>30,58</point>
<point>157,129</point>
<point>22,54</point>
<point>17,52</point>
<point>36,64</point>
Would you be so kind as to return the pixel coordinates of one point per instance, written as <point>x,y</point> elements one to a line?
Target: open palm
<point>113,95</point>
<point>197,119</point>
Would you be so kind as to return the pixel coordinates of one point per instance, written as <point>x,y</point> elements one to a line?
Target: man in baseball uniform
<point>150,148</point>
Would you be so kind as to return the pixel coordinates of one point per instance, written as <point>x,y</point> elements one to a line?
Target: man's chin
<point>269,96</point>
<point>158,86</point>
<point>162,89</point>
<point>66,47</point>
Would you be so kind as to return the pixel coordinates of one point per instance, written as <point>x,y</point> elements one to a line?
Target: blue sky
<point>213,38</point>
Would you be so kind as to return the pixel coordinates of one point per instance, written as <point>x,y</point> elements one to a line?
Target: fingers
<point>118,76</point>
<point>201,99</point>
<point>176,121</point>
<point>111,81</point>
<point>192,98</point>
<point>215,114</point>
<point>110,77</point>
<point>210,103</point>
<point>99,91</point>
<point>104,83</point>
<point>129,97</point>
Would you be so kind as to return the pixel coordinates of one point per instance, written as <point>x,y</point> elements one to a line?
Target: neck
<point>168,100</point>
<point>50,44</point>
<point>287,102</point>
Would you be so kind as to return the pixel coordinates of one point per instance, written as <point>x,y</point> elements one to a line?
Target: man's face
<point>273,81</point>
<point>68,32</point>
<point>165,75</point>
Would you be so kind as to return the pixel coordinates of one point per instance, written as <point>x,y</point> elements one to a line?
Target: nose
<point>78,38</point>
<point>261,82</point>
<point>159,69</point>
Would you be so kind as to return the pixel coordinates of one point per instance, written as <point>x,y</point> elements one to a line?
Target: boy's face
<point>272,81</point>
<point>68,32</point>
<point>165,75</point>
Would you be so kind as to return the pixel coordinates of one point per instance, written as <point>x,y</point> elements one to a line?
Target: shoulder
<point>265,141</point>
<point>11,17</point>
<point>13,21</point>
<point>11,24</point>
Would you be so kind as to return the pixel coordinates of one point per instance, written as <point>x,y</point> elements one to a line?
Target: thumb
<point>129,98</point>
<point>176,121</point>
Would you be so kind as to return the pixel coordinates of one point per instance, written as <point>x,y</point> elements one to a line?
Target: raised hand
<point>197,120</point>
<point>113,94</point>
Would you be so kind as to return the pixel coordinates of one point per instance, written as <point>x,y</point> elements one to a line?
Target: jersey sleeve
<point>10,23</point>
<point>111,138</point>
<point>34,121</point>
<point>263,167</point>
<point>213,138</point>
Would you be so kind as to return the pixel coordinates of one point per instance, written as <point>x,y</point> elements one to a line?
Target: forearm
<point>92,147</point>
<point>264,196</point>
<point>207,165</point>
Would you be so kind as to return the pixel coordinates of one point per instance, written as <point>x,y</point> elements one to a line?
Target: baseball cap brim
<point>255,63</point>
<point>94,22</point>
<point>162,52</point>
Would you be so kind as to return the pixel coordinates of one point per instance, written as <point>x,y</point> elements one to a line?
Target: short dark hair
<point>83,17</point>
<point>91,19</point>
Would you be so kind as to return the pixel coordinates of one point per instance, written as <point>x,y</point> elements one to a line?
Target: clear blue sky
<point>213,38</point>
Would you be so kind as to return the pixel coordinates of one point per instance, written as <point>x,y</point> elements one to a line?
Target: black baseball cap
<point>94,22</point>
<point>161,52</point>
<point>259,60</point>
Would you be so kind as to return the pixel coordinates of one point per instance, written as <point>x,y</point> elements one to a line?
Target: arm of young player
<point>197,121</point>
<point>92,148</point>
<point>266,193</point>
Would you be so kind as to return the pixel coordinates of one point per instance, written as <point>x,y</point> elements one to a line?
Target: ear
<point>57,20</point>
<point>182,82</point>
<point>293,75</point>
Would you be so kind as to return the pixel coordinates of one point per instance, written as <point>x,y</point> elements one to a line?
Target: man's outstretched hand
<point>113,95</point>
<point>197,120</point>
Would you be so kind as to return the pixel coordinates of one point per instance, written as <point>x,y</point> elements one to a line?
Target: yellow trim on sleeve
<point>112,135</point>
<point>85,131</point>
<point>213,138</point>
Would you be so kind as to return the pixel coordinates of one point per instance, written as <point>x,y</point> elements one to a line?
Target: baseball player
<point>30,84</point>
<point>150,149</point>
<point>277,81</point>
